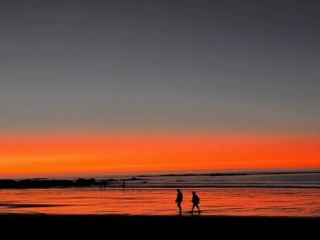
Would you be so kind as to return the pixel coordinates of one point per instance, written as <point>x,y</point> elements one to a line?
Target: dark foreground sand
<point>153,227</point>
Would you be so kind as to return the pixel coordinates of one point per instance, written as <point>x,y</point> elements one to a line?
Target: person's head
<point>178,190</point>
<point>193,193</point>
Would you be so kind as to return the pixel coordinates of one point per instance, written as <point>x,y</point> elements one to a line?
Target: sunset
<point>174,116</point>
<point>54,156</point>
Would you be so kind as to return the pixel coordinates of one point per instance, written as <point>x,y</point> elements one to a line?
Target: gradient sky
<point>152,67</point>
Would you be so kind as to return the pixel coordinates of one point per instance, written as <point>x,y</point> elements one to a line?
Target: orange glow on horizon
<point>125,153</point>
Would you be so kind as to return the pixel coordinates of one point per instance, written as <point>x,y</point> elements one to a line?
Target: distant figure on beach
<point>103,186</point>
<point>179,200</point>
<point>123,185</point>
<point>195,202</point>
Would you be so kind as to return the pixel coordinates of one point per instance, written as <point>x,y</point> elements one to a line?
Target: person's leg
<point>192,209</point>
<point>179,206</point>
<point>198,208</point>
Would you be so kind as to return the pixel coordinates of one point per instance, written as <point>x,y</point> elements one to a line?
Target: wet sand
<point>160,201</point>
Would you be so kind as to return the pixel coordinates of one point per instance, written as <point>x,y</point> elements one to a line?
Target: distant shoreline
<point>147,181</point>
<point>233,174</point>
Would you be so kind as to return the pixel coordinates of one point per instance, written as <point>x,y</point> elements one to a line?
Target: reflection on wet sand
<point>161,201</point>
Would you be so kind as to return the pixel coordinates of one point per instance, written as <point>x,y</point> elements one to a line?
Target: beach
<point>271,204</point>
<point>282,194</point>
<point>104,226</point>
<point>283,202</point>
<point>99,214</point>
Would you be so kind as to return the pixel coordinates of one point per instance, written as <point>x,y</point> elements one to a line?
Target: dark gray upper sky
<point>225,65</point>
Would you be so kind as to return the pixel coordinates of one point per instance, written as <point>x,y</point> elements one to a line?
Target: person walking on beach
<point>195,202</point>
<point>179,200</point>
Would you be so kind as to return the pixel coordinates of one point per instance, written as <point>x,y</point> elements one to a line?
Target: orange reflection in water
<point>240,202</point>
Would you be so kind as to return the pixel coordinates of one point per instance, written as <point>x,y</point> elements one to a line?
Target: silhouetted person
<point>123,185</point>
<point>103,186</point>
<point>195,202</point>
<point>179,200</point>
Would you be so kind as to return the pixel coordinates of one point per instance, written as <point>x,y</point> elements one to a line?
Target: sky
<point>198,71</point>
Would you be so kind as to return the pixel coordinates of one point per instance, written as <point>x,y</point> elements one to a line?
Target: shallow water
<point>160,201</point>
<point>244,179</point>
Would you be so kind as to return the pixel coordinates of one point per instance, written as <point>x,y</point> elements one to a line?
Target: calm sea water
<point>160,201</point>
<point>243,179</point>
